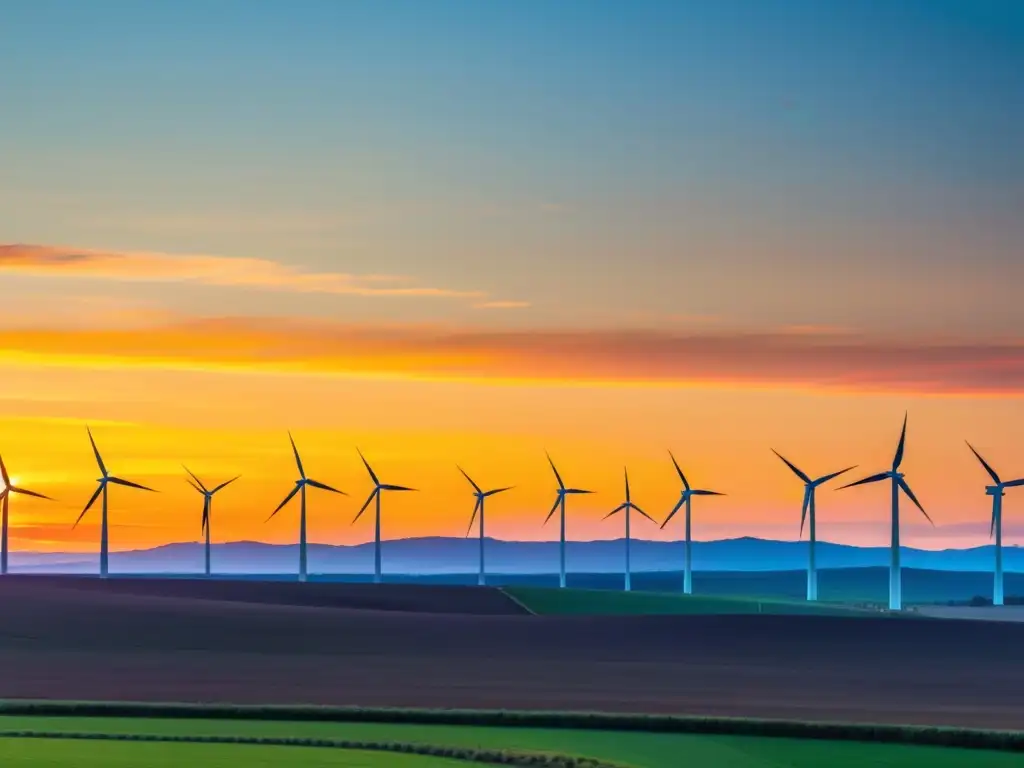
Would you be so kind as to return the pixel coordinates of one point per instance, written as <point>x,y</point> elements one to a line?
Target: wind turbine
<point>300,488</point>
<point>627,506</point>
<point>807,511</point>
<point>479,507</point>
<point>207,504</point>
<point>378,488</point>
<point>5,494</point>
<point>685,498</point>
<point>561,492</point>
<point>898,483</point>
<point>996,492</point>
<point>101,489</point>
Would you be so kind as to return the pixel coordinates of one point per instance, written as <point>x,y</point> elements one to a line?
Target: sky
<point>465,233</point>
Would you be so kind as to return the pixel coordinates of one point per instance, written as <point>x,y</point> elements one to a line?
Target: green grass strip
<point>488,756</point>
<point>964,738</point>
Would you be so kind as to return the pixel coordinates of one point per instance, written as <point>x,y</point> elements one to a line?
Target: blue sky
<point>482,145</point>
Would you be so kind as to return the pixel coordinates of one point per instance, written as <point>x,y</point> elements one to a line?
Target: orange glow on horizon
<point>148,422</point>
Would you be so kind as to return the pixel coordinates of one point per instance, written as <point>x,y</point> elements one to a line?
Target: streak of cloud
<point>839,362</point>
<point>59,261</point>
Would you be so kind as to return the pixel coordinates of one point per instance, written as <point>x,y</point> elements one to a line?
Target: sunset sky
<point>465,232</point>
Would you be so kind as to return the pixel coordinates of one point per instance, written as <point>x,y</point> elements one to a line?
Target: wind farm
<point>449,372</point>
<point>654,568</point>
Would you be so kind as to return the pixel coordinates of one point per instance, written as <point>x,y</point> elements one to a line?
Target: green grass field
<point>547,601</point>
<point>639,750</point>
<point>56,753</point>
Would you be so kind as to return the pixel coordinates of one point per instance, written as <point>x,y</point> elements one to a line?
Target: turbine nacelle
<point>995,490</point>
<point>378,487</point>
<point>301,483</point>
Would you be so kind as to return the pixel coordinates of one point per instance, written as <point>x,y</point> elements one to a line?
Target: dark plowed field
<point>379,597</point>
<point>252,642</point>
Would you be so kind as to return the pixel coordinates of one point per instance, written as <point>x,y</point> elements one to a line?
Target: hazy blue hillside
<point>441,555</point>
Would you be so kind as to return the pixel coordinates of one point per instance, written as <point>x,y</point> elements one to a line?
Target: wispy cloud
<point>846,362</point>
<point>501,305</point>
<point>59,261</point>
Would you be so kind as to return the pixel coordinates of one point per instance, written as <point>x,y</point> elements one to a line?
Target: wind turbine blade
<point>198,481</point>
<point>985,464</point>
<point>323,487</point>
<point>475,486</point>
<point>673,512</point>
<point>26,492</point>
<point>707,493</point>
<point>298,461</point>
<point>898,458</point>
<point>368,468</point>
<point>796,470</point>
<point>206,513</point>
<point>804,508</point>
<point>366,503</point>
<point>617,509</point>
<point>1014,483</point>
<point>396,488</point>
<point>872,479</point>
<point>129,484</point>
<point>498,490</point>
<point>190,482</point>
<point>575,490</point>
<point>3,473</point>
<point>637,509</point>
<point>225,483</point>
<point>686,483</point>
<point>553,508</point>
<point>554,469</point>
<point>286,500</point>
<point>992,525</point>
<point>96,453</point>
<point>833,476</point>
<point>472,519</point>
<point>96,495</point>
<point>913,498</point>
<point>625,474</point>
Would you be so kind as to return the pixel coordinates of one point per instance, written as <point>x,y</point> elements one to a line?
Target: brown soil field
<point>428,646</point>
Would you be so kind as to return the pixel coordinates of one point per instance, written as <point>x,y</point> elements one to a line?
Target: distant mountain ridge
<point>449,555</point>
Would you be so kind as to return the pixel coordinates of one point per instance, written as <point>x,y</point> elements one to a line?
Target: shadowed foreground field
<point>642,750</point>
<point>153,640</point>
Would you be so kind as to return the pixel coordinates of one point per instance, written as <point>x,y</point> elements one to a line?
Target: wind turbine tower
<point>685,498</point>
<point>5,495</point>
<point>300,488</point>
<point>626,507</point>
<point>208,493</point>
<point>996,491</point>
<point>479,507</point>
<point>101,490</point>
<point>898,483</point>
<point>378,489</point>
<point>559,504</point>
<point>807,514</point>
